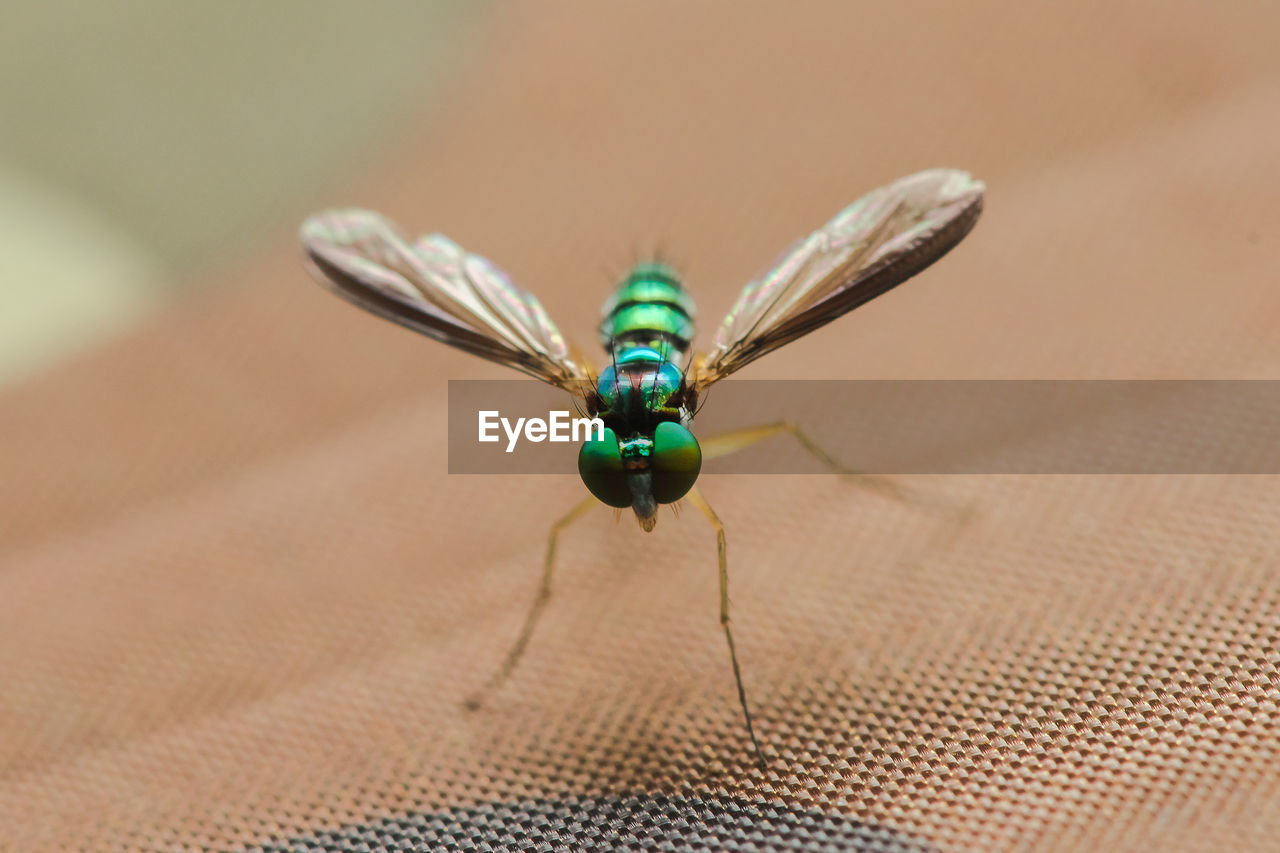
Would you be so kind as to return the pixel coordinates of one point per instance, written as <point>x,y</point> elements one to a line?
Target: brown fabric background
<point>240,599</point>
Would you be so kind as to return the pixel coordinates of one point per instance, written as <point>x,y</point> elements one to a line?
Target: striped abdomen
<point>649,309</point>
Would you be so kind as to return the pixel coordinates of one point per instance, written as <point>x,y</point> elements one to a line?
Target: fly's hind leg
<point>695,497</point>
<point>729,443</point>
<point>535,611</point>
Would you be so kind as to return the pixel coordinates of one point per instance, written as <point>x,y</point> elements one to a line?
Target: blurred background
<point>144,141</point>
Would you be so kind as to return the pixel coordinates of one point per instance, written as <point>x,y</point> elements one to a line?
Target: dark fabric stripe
<point>614,823</point>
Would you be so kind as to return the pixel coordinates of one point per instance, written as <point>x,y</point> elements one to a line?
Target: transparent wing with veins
<point>871,246</point>
<point>435,287</point>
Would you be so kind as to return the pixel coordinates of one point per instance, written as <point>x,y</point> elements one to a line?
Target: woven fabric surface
<point>241,601</point>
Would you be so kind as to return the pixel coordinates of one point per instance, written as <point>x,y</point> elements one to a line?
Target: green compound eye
<point>600,465</point>
<point>677,459</point>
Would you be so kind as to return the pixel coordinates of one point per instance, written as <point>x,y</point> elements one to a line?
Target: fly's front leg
<point>729,443</point>
<point>696,498</point>
<point>539,604</point>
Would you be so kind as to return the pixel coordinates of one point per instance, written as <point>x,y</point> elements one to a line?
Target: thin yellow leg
<point>539,604</point>
<point>696,498</point>
<point>732,442</point>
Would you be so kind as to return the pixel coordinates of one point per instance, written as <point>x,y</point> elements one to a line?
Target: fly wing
<point>435,287</point>
<point>871,246</point>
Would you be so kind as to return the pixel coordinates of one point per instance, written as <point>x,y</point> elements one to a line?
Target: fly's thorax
<point>640,390</point>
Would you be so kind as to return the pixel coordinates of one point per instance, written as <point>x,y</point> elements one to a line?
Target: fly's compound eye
<point>600,465</point>
<point>677,459</point>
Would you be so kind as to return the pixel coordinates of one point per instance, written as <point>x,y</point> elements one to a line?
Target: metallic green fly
<point>648,393</point>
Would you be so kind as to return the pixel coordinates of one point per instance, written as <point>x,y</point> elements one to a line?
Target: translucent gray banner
<point>919,427</point>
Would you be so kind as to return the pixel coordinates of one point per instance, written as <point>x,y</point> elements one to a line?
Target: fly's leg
<point>729,443</point>
<point>696,498</point>
<point>539,604</point>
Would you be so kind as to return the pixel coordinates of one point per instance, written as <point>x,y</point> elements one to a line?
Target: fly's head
<point>641,471</point>
<point>646,456</point>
